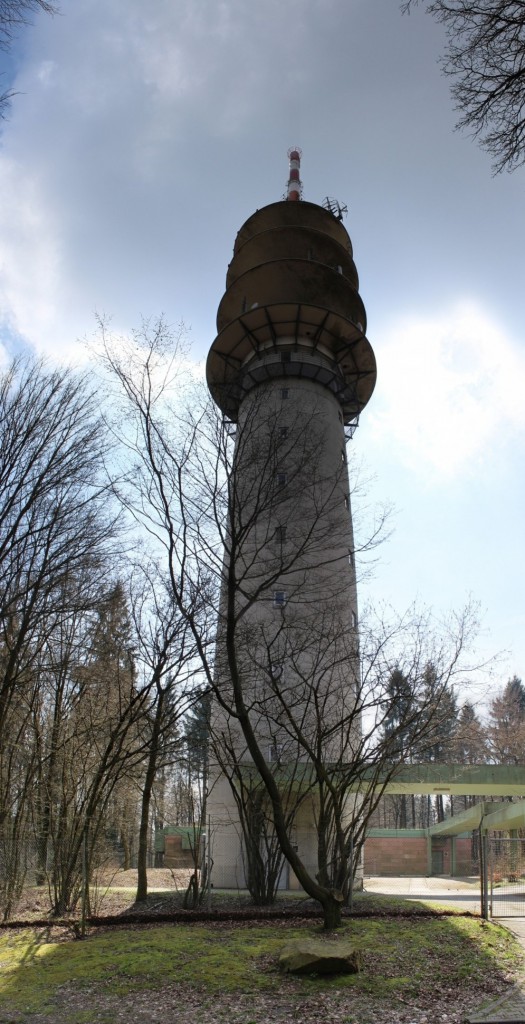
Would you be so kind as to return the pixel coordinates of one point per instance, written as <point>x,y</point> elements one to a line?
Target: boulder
<point>317,957</point>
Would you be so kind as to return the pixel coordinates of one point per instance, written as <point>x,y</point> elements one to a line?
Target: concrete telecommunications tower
<point>291,370</point>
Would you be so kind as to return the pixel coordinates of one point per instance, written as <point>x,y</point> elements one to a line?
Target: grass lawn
<point>419,961</point>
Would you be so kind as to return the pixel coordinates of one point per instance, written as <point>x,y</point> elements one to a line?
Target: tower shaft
<point>291,367</point>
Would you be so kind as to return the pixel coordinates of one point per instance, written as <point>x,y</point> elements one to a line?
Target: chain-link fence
<point>506,872</point>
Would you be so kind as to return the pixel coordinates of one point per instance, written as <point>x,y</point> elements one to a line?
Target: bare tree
<point>58,697</point>
<point>53,529</point>
<point>170,604</point>
<point>336,766</point>
<point>301,697</point>
<point>56,535</point>
<point>299,702</point>
<point>167,652</point>
<point>14,14</point>
<point>485,57</point>
<point>100,740</point>
<point>100,743</point>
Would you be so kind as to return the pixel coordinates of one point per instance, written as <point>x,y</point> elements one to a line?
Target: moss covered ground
<point>402,958</point>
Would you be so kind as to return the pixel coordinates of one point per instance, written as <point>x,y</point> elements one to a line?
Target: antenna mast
<point>295,185</point>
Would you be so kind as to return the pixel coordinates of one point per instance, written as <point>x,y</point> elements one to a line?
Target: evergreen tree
<point>196,743</point>
<point>507,725</point>
<point>469,746</point>
<point>470,740</point>
<point>101,745</point>
<point>440,709</point>
<point>516,692</point>
<point>398,729</point>
<point>439,719</point>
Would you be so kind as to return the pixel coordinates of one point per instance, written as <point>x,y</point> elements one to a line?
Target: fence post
<point>480,854</point>
<point>208,865</point>
<point>484,872</point>
<point>85,879</point>
<point>350,901</point>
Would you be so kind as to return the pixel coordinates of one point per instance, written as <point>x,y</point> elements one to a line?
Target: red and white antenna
<point>295,185</point>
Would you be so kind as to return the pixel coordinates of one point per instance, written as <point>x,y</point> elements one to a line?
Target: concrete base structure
<point>225,838</point>
<point>227,845</point>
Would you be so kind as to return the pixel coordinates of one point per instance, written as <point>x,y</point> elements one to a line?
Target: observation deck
<point>292,309</point>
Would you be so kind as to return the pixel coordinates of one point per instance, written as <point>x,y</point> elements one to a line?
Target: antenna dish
<point>334,207</point>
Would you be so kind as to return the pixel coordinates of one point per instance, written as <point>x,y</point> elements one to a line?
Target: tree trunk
<point>332,906</point>
<point>126,849</point>
<point>142,855</point>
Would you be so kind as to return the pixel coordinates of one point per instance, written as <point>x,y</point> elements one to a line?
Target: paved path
<point>508,1009</point>
<point>464,891</point>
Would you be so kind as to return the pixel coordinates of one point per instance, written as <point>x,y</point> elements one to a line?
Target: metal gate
<point>506,871</point>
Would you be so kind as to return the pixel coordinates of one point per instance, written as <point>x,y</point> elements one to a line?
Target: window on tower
<point>281,479</point>
<point>280,534</point>
<point>285,392</point>
<point>279,598</point>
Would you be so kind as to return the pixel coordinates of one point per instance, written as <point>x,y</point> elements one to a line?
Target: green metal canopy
<point>501,780</point>
<point>453,779</point>
<point>487,816</point>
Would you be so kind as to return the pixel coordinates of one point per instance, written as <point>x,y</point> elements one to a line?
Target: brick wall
<point>174,855</point>
<point>464,862</point>
<point>407,855</point>
<point>396,856</point>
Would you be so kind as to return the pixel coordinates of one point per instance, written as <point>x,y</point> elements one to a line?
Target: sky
<point>143,135</point>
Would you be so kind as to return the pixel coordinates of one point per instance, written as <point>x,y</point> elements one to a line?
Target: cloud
<point>450,391</point>
<point>144,133</point>
<point>29,239</point>
<point>122,115</point>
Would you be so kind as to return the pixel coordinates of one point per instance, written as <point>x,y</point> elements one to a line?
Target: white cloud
<point>29,253</point>
<point>45,71</point>
<point>121,114</point>
<point>450,390</point>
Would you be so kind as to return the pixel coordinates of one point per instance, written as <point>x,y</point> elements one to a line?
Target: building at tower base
<point>291,369</point>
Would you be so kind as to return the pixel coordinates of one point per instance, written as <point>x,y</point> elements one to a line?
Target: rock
<point>317,957</point>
